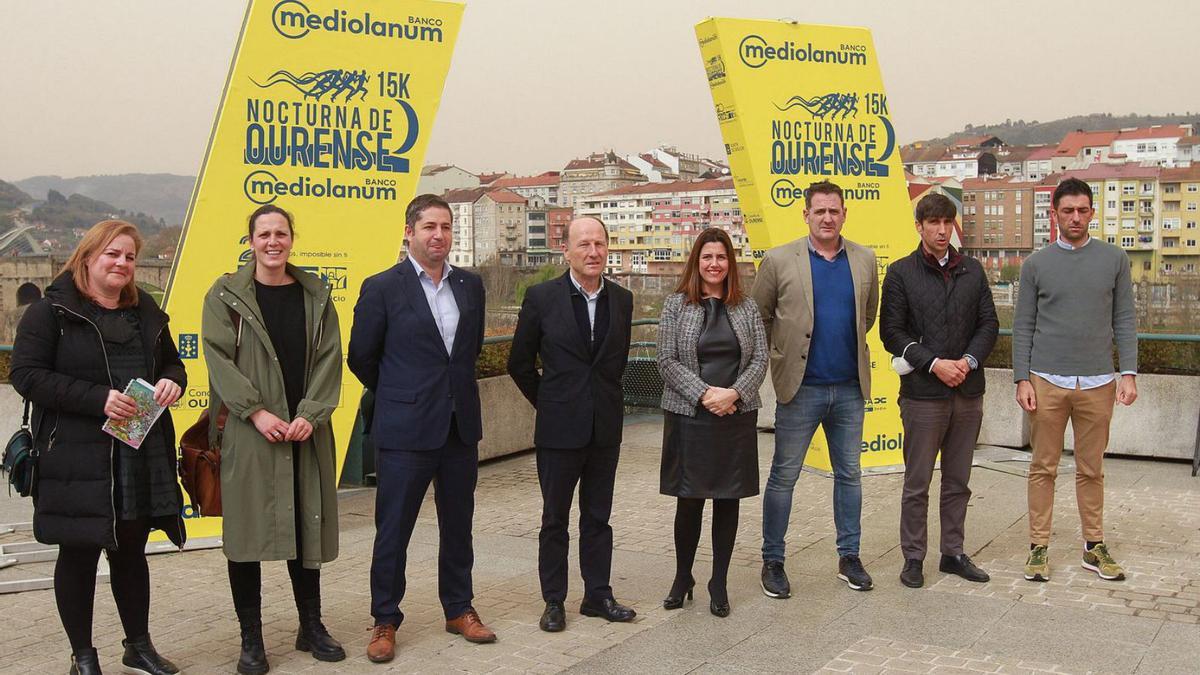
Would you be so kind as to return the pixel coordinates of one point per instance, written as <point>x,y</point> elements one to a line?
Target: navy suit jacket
<point>396,351</point>
<point>578,396</point>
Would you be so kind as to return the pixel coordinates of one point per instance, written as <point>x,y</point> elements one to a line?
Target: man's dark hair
<point>271,208</point>
<point>421,202</point>
<point>1071,187</point>
<point>823,187</point>
<point>935,207</point>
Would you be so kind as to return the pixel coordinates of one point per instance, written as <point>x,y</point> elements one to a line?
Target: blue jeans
<point>838,408</point>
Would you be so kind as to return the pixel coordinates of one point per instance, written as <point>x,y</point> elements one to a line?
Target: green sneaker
<point>1100,561</point>
<point>1037,568</point>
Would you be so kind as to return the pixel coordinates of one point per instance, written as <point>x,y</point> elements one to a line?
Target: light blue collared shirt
<point>441,301</point>
<point>1078,381</point>
<point>591,298</point>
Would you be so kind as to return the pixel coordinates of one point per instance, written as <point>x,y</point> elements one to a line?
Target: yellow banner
<point>796,104</point>
<point>326,112</point>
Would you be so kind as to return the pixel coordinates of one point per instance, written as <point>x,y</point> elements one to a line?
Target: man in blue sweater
<point>1075,302</point>
<point>818,297</point>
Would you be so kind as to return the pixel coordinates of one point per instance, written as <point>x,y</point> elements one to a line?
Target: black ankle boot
<point>313,637</point>
<point>142,657</point>
<point>253,660</point>
<point>85,662</point>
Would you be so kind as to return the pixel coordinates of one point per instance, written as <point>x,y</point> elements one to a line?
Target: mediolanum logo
<point>755,53</point>
<point>293,20</point>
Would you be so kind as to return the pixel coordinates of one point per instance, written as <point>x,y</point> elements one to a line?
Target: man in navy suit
<point>418,330</point>
<point>579,325</point>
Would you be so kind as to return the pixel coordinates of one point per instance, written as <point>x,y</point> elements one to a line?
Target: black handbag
<point>20,458</point>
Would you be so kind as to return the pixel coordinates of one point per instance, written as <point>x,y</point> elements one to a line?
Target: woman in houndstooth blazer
<point>712,353</point>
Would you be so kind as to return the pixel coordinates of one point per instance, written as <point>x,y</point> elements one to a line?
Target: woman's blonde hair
<point>95,240</point>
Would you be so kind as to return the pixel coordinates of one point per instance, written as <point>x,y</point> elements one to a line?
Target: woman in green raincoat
<point>274,355</point>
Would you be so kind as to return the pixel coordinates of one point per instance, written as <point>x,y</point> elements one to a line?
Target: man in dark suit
<point>418,330</point>
<point>579,324</point>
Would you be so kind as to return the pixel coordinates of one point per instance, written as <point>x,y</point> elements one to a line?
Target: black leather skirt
<point>709,457</point>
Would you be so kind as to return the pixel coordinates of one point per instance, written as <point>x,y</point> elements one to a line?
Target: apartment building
<point>500,228</point>
<point>543,186</point>
<point>652,226</point>
<point>595,173</point>
<point>437,179</point>
<point>997,221</point>
<point>462,208</point>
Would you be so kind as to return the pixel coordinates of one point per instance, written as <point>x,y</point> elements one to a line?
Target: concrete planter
<point>1161,423</point>
<point>507,418</point>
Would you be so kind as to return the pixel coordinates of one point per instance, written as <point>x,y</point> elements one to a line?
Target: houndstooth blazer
<point>678,334</point>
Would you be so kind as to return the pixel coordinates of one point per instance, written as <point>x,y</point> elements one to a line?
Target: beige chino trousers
<point>1090,413</point>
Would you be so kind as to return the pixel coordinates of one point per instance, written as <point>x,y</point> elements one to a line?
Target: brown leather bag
<point>200,463</point>
<point>200,449</point>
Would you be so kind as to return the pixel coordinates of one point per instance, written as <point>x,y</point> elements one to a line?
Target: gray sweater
<point>1071,307</point>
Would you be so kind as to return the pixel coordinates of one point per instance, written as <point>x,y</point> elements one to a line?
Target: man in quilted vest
<point>937,318</point>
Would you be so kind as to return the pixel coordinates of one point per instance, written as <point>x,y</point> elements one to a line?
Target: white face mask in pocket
<point>900,365</point>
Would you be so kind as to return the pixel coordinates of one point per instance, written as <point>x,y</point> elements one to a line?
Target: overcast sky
<point>122,86</point>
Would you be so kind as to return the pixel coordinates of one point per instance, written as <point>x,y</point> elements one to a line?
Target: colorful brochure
<point>132,430</point>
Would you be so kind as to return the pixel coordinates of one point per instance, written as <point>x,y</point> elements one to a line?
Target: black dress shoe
<point>85,662</point>
<point>682,588</point>
<point>607,608</point>
<point>141,657</point>
<point>554,619</point>
<point>962,566</point>
<point>912,575</point>
<point>313,637</point>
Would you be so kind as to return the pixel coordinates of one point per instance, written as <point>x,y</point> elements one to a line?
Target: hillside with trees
<point>161,196</point>
<point>1020,132</point>
<point>12,197</point>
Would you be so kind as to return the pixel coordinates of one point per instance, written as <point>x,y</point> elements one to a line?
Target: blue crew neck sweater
<point>833,352</point>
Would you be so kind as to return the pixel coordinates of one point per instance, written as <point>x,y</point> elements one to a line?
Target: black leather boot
<point>85,662</point>
<point>313,637</point>
<point>142,657</point>
<point>253,660</point>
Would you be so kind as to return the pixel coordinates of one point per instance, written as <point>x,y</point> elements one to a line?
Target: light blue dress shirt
<point>1078,381</point>
<point>441,301</point>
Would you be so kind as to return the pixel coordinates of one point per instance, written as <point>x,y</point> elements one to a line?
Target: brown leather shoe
<point>382,647</point>
<point>470,627</point>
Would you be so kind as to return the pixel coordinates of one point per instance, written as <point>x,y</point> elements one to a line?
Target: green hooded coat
<point>257,497</point>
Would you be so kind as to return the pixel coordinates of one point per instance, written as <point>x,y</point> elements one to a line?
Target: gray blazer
<point>678,334</point>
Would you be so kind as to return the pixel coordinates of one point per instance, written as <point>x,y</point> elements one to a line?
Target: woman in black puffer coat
<point>74,352</point>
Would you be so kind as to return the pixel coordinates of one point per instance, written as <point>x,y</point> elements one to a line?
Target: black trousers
<point>245,578</point>
<point>594,469</point>
<point>129,575</point>
<point>403,479</point>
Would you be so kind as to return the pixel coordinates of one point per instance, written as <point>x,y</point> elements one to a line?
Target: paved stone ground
<point>1075,623</point>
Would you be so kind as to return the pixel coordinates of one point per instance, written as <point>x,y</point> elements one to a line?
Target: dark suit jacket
<point>578,397</point>
<point>396,351</point>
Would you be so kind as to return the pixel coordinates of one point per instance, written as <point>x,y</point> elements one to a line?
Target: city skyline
<point>529,105</point>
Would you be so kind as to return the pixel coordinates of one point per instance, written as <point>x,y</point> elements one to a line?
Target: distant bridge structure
<point>20,241</point>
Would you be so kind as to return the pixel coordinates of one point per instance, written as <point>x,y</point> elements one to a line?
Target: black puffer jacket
<point>60,365</point>
<point>946,318</point>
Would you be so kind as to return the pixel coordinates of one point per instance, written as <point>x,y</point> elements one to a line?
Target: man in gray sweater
<point>1075,301</point>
